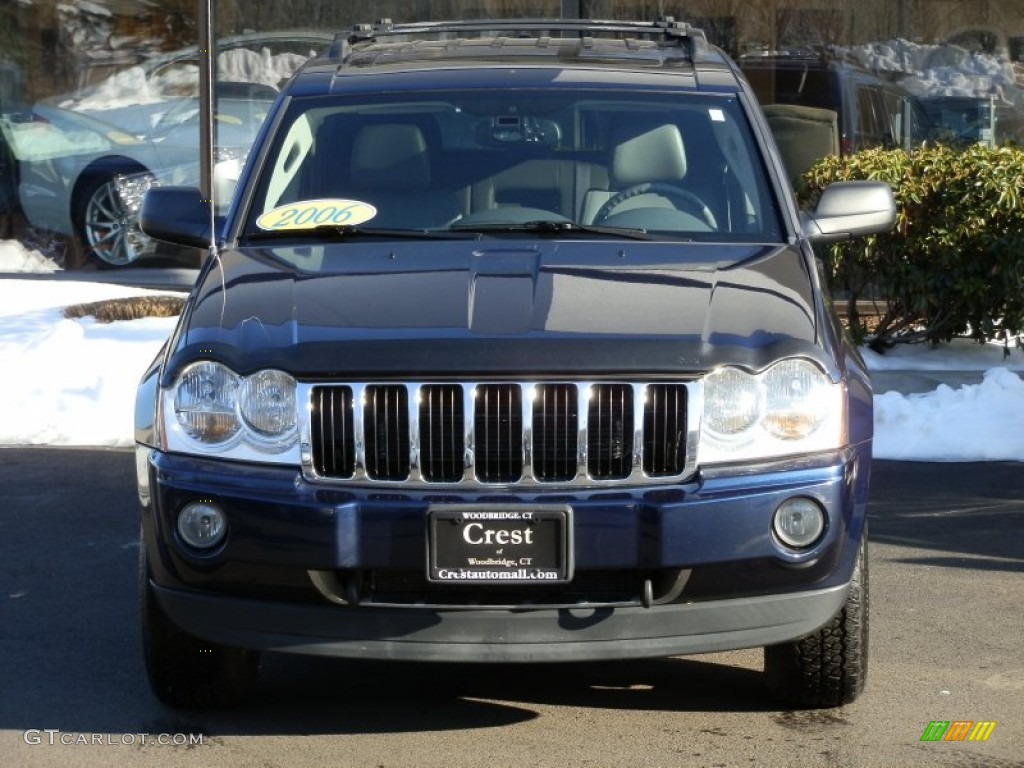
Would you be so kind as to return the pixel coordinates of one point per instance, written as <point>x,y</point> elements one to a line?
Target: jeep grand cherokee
<point>512,348</point>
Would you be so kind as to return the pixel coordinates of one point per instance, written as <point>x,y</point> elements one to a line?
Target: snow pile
<point>244,66</point>
<point>957,355</point>
<point>943,70</point>
<point>133,86</point>
<point>76,378</point>
<point>137,86</point>
<point>979,422</point>
<point>15,257</point>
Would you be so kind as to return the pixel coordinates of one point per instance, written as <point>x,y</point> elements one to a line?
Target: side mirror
<point>177,215</point>
<point>849,209</point>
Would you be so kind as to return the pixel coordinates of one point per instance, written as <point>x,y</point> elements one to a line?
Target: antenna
<point>207,75</point>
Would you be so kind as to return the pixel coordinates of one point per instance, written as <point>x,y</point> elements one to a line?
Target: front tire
<point>186,672</point>
<point>107,228</point>
<point>829,667</point>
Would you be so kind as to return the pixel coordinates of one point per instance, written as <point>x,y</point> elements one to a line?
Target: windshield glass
<point>679,165</point>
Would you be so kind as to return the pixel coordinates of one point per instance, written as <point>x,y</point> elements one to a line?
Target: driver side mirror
<point>178,215</point>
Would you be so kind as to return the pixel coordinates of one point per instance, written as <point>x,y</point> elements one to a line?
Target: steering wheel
<point>682,199</point>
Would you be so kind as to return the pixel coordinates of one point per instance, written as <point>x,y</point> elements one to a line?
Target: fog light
<point>799,522</point>
<point>201,524</point>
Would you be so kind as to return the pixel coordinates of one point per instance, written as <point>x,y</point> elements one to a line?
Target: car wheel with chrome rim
<point>107,227</point>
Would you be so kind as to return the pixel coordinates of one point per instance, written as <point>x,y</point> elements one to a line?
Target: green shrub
<point>954,263</point>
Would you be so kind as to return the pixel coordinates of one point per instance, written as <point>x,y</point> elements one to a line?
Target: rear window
<point>812,87</point>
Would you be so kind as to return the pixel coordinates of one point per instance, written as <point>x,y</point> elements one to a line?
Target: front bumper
<point>743,589</point>
<point>541,635</point>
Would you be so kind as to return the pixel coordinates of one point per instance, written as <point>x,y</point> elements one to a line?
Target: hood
<point>442,308</point>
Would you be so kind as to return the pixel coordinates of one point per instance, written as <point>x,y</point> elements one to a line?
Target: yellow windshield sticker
<point>308,214</point>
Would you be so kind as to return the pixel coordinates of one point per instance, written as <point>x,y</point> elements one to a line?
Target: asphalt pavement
<point>947,557</point>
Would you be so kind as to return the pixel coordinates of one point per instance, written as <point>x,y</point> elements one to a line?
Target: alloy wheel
<point>111,230</point>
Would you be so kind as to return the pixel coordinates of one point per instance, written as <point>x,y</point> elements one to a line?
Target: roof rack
<point>666,28</point>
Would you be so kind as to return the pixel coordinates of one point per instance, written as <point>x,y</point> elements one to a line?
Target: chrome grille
<point>506,433</point>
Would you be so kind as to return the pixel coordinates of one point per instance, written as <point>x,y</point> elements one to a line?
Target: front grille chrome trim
<point>313,443</point>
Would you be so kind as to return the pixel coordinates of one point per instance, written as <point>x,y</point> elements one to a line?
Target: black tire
<point>829,667</point>
<point>106,228</point>
<point>186,672</point>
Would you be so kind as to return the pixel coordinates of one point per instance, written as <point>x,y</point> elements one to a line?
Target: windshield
<point>679,165</point>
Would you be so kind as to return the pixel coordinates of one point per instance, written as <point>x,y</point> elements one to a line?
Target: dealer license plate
<point>493,544</point>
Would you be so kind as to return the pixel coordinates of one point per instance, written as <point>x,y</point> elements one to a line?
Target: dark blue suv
<point>512,348</point>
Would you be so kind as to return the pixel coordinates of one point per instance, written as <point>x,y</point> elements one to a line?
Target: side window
<point>869,131</point>
<point>921,127</point>
<point>895,104</point>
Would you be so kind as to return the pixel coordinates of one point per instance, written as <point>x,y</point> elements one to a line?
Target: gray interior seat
<point>391,169</point>
<point>653,155</point>
<point>643,155</point>
<point>540,183</point>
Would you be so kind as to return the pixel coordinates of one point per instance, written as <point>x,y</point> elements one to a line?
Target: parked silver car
<point>85,160</point>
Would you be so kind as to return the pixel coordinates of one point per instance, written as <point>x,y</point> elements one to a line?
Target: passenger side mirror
<point>849,209</point>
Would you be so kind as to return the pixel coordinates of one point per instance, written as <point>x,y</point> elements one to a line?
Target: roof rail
<point>666,28</point>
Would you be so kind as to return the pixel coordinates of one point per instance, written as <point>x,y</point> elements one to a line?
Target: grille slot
<point>539,433</point>
<point>386,426</point>
<point>610,431</point>
<point>334,451</point>
<point>665,430</point>
<point>442,433</point>
<point>555,432</point>
<point>498,430</point>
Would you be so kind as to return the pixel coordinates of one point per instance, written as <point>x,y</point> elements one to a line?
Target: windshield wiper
<point>338,232</point>
<point>555,228</point>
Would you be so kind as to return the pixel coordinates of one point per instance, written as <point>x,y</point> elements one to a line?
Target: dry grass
<point>133,308</point>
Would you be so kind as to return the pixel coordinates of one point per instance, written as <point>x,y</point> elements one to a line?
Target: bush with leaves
<point>954,263</point>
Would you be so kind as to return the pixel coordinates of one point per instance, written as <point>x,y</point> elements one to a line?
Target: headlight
<point>212,410</point>
<point>797,399</point>
<point>267,405</point>
<point>733,402</point>
<point>790,408</point>
<point>205,400</point>
<point>132,187</point>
